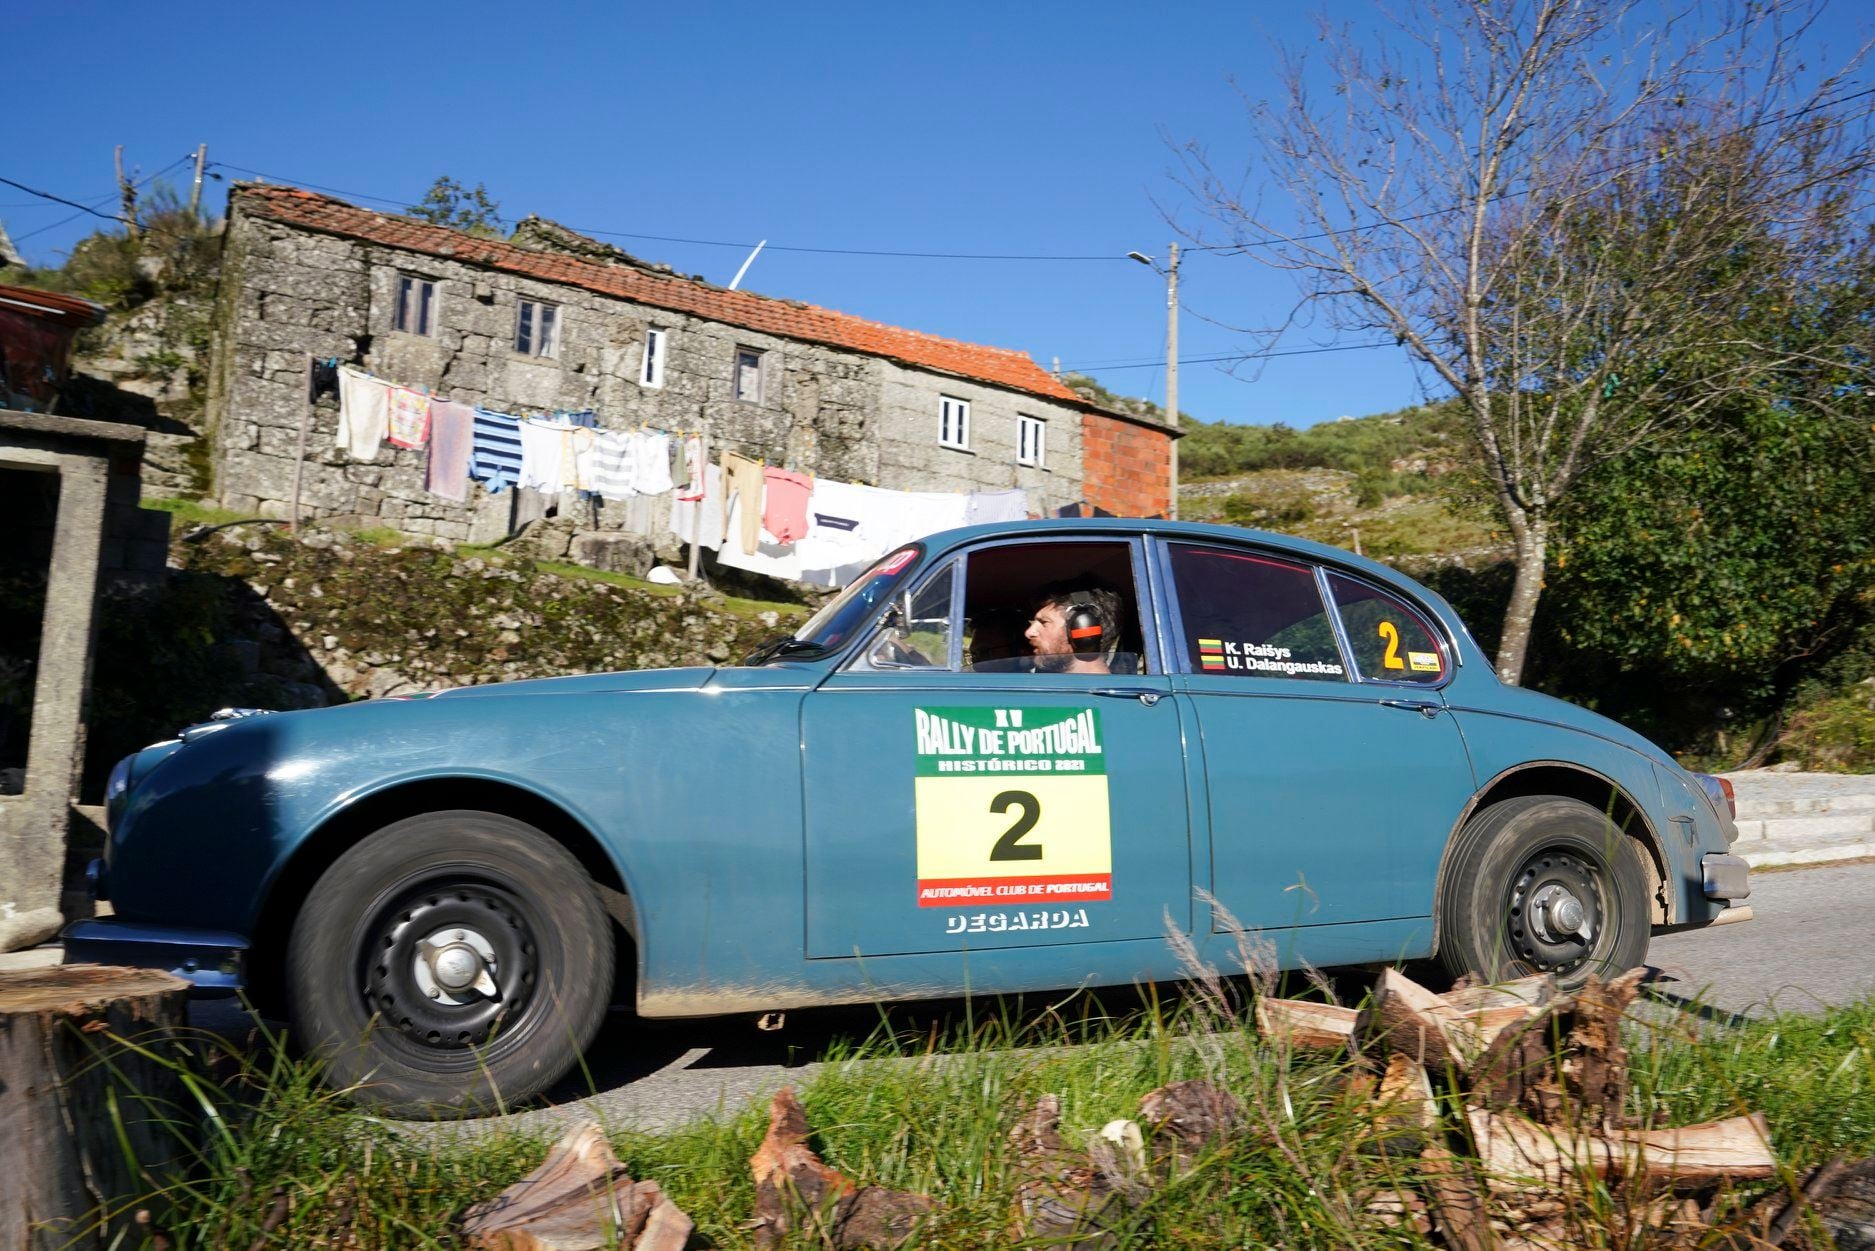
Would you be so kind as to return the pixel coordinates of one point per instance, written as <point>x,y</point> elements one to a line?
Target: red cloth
<point>784,503</point>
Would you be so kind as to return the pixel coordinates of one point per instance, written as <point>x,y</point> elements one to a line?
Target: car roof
<point>1309,549</point>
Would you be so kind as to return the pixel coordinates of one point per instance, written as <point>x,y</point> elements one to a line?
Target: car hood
<point>689,679</point>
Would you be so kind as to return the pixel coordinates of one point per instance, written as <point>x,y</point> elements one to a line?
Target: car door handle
<point>1144,695</point>
<point>1419,706</point>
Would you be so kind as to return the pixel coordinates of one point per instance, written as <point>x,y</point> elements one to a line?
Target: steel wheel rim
<point>1555,913</point>
<point>450,968</point>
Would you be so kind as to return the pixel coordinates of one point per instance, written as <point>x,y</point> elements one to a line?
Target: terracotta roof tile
<point>784,318</point>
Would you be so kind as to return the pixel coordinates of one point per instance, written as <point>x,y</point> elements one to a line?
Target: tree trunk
<point>92,1112</point>
<point>1520,614</point>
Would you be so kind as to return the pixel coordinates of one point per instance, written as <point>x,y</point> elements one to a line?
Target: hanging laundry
<point>700,520</point>
<point>777,560</point>
<point>742,479</point>
<point>983,507</point>
<point>587,417</point>
<point>544,460</point>
<point>836,549</point>
<point>497,456</point>
<point>322,379</point>
<point>605,464</point>
<point>1081,509</point>
<point>452,443</point>
<point>364,411</point>
<point>784,503</point>
<point>651,466</point>
<point>680,463</point>
<point>691,488</point>
<point>409,421</point>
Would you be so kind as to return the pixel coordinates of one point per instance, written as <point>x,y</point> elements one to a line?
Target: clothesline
<point>784,523</point>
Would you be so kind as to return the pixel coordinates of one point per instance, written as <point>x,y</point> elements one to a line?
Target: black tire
<point>1504,907</point>
<point>382,953</point>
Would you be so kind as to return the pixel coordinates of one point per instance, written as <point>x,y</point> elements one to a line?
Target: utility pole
<point>1171,362</point>
<point>195,191</point>
<point>127,194</point>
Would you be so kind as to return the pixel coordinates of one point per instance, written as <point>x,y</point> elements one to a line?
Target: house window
<point>1029,440</point>
<point>537,329</point>
<point>416,306</point>
<point>652,375</point>
<point>954,423</point>
<point>748,378</point>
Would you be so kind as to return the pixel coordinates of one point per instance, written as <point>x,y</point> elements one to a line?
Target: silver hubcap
<point>1556,914</point>
<point>455,965</point>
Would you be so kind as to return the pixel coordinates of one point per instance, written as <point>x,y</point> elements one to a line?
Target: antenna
<point>737,280</point>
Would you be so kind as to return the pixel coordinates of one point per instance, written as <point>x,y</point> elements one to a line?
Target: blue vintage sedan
<point>1006,758</point>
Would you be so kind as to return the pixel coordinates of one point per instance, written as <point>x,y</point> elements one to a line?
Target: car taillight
<point>1731,798</point>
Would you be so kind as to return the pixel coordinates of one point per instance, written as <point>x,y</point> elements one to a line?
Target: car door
<point>1333,772</point>
<point>952,808</point>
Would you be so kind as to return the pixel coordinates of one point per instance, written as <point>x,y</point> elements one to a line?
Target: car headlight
<point>119,781</point>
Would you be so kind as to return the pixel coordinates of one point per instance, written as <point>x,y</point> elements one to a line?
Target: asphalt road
<point>1811,943</point>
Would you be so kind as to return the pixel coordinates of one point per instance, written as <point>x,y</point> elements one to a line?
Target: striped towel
<point>496,459</point>
<point>607,464</point>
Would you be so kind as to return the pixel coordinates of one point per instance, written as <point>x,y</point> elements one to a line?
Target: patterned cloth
<point>409,423</point>
<point>452,443</point>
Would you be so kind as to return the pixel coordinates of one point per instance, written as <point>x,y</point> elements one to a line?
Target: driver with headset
<point>1075,631</point>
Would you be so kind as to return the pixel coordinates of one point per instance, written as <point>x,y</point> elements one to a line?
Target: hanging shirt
<point>452,443</point>
<point>651,468</point>
<point>547,462</point>
<point>691,488</point>
<point>408,424</point>
<point>784,503</point>
<point>497,455</point>
<point>836,549</point>
<point>364,412</point>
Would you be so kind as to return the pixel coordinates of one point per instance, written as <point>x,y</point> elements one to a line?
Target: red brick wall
<point>1126,468</point>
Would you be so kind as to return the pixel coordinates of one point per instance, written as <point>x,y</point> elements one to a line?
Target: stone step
<point>1767,852</point>
<point>1761,807</point>
<point>1821,828</point>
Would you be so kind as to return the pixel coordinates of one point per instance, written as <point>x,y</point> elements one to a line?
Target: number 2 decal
<point>1391,633</point>
<point>1010,846</point>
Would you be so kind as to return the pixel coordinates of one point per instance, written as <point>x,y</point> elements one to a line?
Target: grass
<point>194,512</point>
<point>929,1112</point>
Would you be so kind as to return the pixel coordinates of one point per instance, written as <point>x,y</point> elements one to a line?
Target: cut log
<point>1519,1070</point>
<point>796,1189</point>
<point>1519,1154</point>
<point>1596,1076</point>
<point>1409,1020</point>
<point>1305,1025</point>
<point>579,1199</point>
<point>1457,1208</point>
<point>1406,1093</point>
<point>88,1065</point>
<point>1185,1119</point>
<point>1528,992</point>
<point>1063,1199</point>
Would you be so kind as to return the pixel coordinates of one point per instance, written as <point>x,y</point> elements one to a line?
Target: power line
<point>1237,356</point>
<point>59,199</point>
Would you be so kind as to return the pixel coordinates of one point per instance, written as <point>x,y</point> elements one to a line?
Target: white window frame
<point>1031,441</point>
<point>735,377</point>
<point>543,331</point>
<point>414,315</point>
<point>953,423</point>
<point>657,346</point>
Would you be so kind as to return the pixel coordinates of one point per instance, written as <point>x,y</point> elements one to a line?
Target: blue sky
<point>1027,129</point>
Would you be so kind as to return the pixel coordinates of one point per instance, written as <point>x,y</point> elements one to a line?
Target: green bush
<point>1836,734</point>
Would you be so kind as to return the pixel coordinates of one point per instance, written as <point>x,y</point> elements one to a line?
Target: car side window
<point>1252,616</point>
<point>1390,642</point>
<point>916,630</point>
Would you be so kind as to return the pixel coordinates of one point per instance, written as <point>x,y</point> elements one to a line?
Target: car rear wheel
<point>449,964</point>
<point>1543,884</point>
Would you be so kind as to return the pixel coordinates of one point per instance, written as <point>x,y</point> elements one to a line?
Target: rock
<point>616,553</point>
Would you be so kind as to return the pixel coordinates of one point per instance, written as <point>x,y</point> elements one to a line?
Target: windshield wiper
<point>783,645</point>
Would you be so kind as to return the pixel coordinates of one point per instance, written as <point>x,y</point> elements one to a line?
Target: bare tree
<point>1558,209</point>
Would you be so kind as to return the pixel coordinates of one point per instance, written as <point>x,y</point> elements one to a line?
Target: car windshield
<point>853,607</point>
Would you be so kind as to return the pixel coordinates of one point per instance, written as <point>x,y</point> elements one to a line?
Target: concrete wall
<point>291,293</point>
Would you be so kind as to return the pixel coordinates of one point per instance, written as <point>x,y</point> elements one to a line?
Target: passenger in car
<point>1076,630</point>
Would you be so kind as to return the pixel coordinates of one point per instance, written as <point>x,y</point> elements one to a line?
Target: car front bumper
<point>213,962</point>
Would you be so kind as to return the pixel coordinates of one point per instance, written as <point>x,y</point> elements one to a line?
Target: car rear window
<point>1391,642</point>
<point>1251,616</point>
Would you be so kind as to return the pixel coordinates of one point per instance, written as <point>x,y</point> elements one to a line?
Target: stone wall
<point>289,293</point>
<point>1128,466</point>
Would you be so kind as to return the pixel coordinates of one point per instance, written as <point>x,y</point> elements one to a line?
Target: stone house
<point>551,320</point>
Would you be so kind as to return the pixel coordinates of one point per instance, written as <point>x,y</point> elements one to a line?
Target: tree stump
<point>82,1077</point>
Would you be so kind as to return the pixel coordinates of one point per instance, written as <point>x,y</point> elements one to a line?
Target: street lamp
<point>1171,349</point>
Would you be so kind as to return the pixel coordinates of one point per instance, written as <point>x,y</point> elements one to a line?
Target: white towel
<point>543,455</point>
<point>364,412</point>
<point>651,470</point>
<point>606,464</point>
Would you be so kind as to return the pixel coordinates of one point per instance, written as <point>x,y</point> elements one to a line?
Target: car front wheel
<point>1543,884</point>
<point>449,964</point>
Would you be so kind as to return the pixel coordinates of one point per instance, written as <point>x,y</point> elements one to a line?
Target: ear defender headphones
<point>1085,632</point>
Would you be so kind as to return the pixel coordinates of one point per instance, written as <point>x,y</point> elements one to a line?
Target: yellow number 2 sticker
<point>1011,807</point>
<point>1391,634</point>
